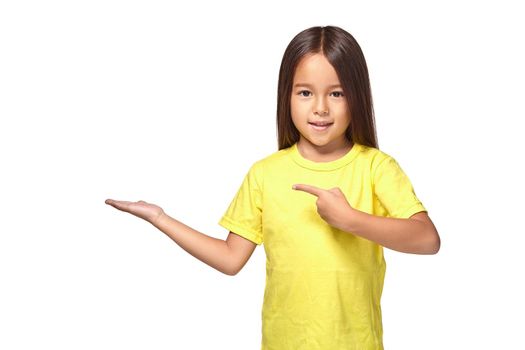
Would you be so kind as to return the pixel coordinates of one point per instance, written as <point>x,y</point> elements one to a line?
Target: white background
<point>171,103</point>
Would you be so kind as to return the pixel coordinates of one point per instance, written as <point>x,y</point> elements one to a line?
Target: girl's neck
<point>324,153</point>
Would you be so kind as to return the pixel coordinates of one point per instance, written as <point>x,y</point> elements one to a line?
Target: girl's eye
<point>301,92</point>
<point>339,92</point>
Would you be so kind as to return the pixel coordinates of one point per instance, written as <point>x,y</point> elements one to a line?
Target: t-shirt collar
<point>324,166</point>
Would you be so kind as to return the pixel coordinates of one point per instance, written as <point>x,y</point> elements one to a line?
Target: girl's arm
<point>416,235</point>
<point>227,256</point>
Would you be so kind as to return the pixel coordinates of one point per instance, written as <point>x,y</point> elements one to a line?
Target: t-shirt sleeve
<point>395,192</point>
<point>244,214</point>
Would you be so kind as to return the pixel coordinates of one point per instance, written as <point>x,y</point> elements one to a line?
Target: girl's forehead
<point>314,67</point>
<point>315,70</point>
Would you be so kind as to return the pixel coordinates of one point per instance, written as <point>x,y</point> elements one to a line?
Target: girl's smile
<point>320,127</point>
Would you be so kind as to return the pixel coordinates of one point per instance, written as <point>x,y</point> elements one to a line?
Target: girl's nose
<point>321,108</point>
<point>321,111</point>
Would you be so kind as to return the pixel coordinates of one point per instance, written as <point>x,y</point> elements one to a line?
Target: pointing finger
<point>316,191</point>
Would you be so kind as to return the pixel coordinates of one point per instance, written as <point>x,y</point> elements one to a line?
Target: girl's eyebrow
<point>308,85</point>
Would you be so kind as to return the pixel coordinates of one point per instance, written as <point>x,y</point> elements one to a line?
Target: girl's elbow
<point>433,244</point>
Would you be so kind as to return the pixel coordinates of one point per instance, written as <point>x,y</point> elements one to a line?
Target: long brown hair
<point>345,55</point>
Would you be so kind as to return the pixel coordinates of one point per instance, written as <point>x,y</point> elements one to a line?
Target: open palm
<point>144,210</point>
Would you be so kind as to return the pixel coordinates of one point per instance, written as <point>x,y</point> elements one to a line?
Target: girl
<point>324,205</point>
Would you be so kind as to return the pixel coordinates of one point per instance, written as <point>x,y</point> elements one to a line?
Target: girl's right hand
<point>147,211</point>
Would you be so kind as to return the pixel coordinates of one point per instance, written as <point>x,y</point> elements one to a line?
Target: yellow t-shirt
<point>323,285</point>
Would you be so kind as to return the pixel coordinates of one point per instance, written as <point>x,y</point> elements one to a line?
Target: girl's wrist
<point>351,220</point>
<point>158,219</point>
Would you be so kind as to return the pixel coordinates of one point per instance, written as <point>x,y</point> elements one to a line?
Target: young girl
<point>324,205</point>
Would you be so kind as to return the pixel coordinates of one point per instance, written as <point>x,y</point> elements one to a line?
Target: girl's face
<point>317,98</point>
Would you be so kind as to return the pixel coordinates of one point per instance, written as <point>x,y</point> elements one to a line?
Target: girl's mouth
<point>320,127</point>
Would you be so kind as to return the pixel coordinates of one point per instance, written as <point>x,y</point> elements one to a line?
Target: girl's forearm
<point>403,235</point>
<point>212,251</point>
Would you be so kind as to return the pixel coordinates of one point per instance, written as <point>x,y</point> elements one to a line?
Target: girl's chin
<point>320,140</point>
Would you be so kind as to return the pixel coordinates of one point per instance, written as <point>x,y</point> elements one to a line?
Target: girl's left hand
<point>332,205</point>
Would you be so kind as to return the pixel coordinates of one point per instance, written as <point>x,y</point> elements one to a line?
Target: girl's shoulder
<point>380,162</point>
<point>274,158</point>
<point>371,156</point>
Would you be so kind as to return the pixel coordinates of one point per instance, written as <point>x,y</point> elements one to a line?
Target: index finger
<point>316,191</point>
